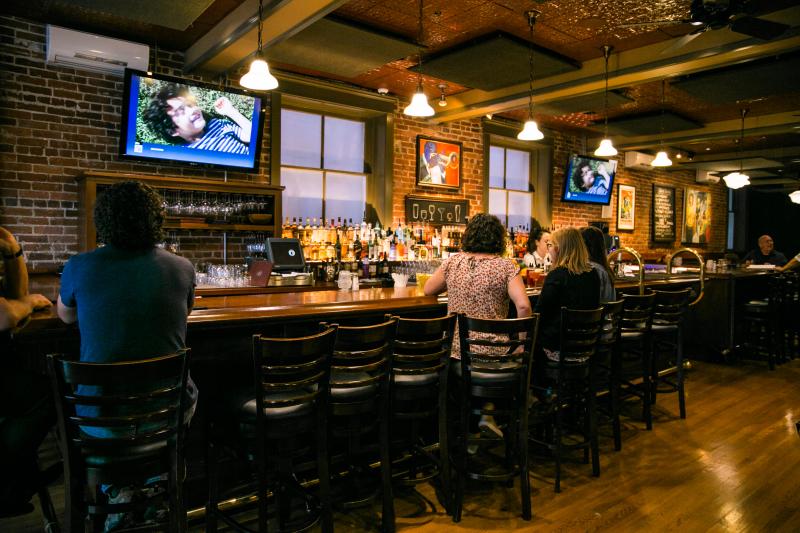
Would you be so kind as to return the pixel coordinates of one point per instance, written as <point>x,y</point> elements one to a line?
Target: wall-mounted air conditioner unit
<point>75,49</point>
<point>638,160</point>
<point>704,176</point>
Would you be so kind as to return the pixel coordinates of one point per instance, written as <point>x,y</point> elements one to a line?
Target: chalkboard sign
<point>436,211</point>
<point>663,214</point>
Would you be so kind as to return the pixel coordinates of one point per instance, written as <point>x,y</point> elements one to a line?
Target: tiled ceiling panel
<point>493,62</point>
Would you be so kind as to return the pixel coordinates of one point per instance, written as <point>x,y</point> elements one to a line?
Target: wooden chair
<point>573,389</point>
<point>636,350</point>
<point>284,421</point>
<point>495,368</point>
<point>669,312</point>
<point>359,410</point>
<point>419,395</point>
<point>120,424</point>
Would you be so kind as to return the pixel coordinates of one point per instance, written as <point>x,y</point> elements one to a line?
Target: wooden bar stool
<point>140,406</point>
<point>667,329</point>
<point>606,368</point>
<point>284,423</point>
<point>495,368</point>
<point>419,396</point>
<point>571,383</point>
<point>636,350</point>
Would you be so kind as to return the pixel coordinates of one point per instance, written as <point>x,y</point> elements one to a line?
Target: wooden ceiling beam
<point>235,38</point>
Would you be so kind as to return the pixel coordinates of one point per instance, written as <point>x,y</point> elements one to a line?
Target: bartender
<point>538,255</point>
<point>766,254</point>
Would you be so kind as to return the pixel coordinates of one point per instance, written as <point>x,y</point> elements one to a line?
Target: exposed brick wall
<point>467,132</point>
<point>58,123</point>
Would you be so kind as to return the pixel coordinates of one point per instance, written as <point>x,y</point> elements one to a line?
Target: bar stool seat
<point>248,408</point>
<point>487,377</point>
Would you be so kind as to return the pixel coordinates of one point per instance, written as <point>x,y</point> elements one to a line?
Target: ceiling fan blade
<point>651,23</point>
<point>758,28</point>
<point>680,43</point>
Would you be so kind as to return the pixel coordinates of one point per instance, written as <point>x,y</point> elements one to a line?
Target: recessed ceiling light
<point>708,148</point>
<point>383,90</point>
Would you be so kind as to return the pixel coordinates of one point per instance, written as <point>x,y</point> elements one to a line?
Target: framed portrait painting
<point>626,207</point>
<point>438,163</point>
<point>696,216</point>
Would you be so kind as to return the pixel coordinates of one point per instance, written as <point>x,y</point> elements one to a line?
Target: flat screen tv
<point>169,119</point>
<point>589,180</point>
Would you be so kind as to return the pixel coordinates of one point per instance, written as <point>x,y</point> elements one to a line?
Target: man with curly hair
<point>174,114</point>
<point>130,298</point>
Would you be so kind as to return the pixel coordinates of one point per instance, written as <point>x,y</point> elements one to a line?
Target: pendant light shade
<point>259,78</point>
<point>530,132</point>
<point>795,196</point>
<point>419,106</point>
<point>606,149</point>
<point>661,160</point>
<point>736,180</point>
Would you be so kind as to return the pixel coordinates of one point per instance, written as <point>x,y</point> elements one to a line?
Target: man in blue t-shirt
<point>765,254</point>
<point>131,299</point>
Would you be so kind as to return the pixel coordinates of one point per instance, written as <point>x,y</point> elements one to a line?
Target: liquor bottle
<point>338,248</point>
<point>357,249</point>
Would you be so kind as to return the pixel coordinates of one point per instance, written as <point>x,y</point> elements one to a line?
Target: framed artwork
<point>696,216</point>
<point>662,214</point>
<point>438,163</point>
<point>626,207</point>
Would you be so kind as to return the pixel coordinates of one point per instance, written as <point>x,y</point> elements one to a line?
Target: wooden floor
<point>733,465</point>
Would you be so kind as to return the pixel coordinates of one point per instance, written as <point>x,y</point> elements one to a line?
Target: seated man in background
<point>130,298</point>
<point>765,254</point>
<point>26,410</point>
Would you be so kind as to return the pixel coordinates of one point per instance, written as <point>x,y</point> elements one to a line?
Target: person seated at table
<point>538,248</point>
<point>480,283</point>
<point>765,254</point>
<point>571,283</point>
<point>131,298</point>
<point>793,262</point>
<point>26,409</point>
<point>595,245</point>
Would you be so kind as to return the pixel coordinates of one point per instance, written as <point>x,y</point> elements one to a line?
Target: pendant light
<point>530,131</point>
<point>662,159</point>
<point>795,196</point>
<point>606,148</point>
<point>737,180</point>
<point>419,106</point>
<point>259,78</point>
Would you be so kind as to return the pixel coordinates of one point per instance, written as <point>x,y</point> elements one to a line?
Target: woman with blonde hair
<point>571,283</point>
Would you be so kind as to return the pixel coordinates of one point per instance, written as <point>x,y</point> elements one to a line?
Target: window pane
<point>497,204</point>
<point>345,196</point>
<point>344,145</point>
<point>519,208</point>
<point>301,139</point>
<point>517,170</point>
<point>496,164</point>
<point>303,194</point>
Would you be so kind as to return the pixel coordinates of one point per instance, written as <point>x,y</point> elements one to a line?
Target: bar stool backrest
<point>422,346</point>
<point>611,321</point>
<point>580,329</point>
<point>670,307</point>
<point>637,313</point>
<point>294,371</point>
<point>492,346</point>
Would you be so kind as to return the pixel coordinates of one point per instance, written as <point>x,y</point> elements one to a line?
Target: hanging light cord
<point>606,54</point>
<point>663,100</point>
<point>260,25</point>
<point>419,55</point>
<point>531,21</point>
<point>741,139</point>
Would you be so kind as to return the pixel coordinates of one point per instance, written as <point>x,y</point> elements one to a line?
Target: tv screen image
<point>170,119</point>
<point>589,180</point>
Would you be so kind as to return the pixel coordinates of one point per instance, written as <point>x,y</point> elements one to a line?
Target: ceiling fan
<point>718,14</point>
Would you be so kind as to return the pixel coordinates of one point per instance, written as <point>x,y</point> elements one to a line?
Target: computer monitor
<point>286,255</point>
